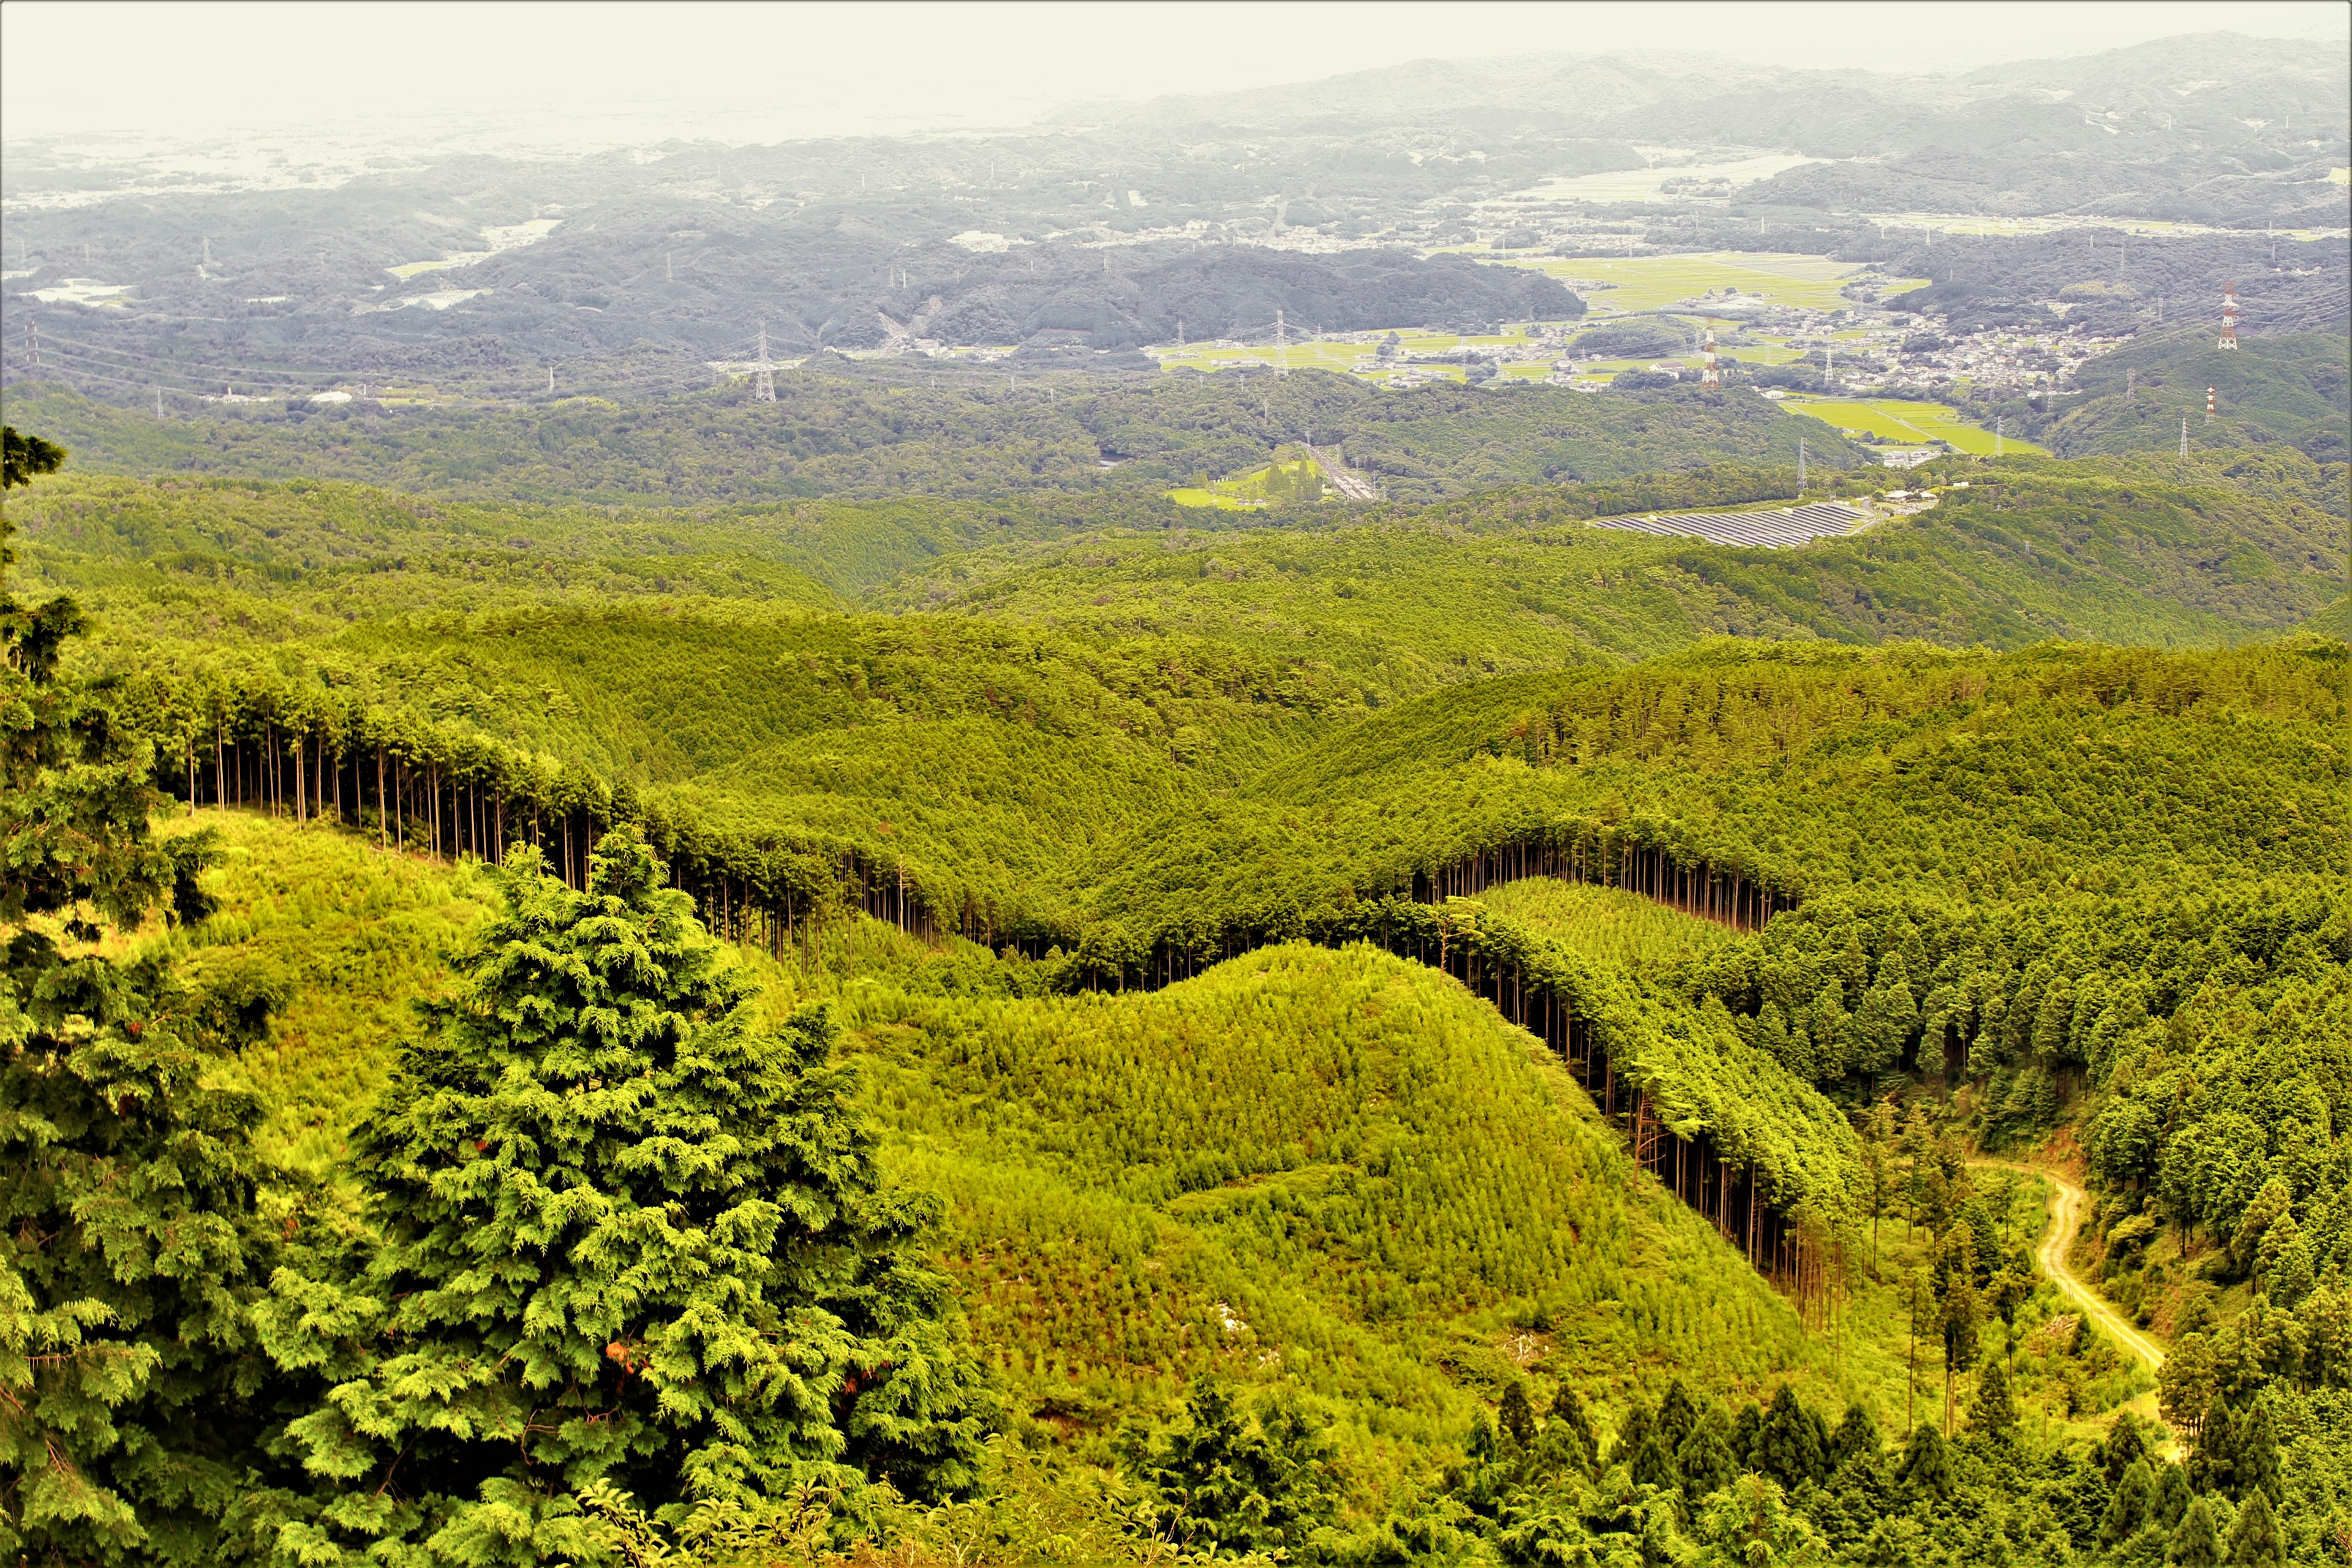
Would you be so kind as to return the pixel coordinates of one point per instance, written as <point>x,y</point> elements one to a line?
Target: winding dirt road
<point>2066,1200</point>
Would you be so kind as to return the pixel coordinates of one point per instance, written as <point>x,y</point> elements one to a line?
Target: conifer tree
<point>2214,1465</point>
<point>1567,1446</point>
<point>131,1388</point>
<point>1653,1464</point>
<point>1233,1485</point>
<point>2195,1542</point>
<point>1927,1466</point>
<point>2254,1541</point>
<point>1517,1417</point>
<point>2255,1453</point>
<point>1994,1412</point>
<point>1706,1461</point>
<point>1856,1437</point>
<point>2132,1507</point>
<point>1676,1416</point>
<point>622,1236</point>
<point>1791,1447</point>
<point>1961,1309</point>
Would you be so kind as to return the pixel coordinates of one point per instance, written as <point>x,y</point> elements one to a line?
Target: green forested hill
<point>1065,694</point>
<point>837,432</point>
<point>1171,1008</point>
<point>2291,387</point>
<point>1812,769</point>
<point>2164,553</point>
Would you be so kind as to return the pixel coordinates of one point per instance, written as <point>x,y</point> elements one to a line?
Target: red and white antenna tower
<point>2229,316</point>
<point>2212,407</point>
<point>1710,373</point>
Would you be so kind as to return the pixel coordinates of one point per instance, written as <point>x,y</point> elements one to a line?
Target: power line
<point>171,362</point>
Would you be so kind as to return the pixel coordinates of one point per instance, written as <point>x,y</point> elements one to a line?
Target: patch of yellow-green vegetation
<point>1903,419</point>
<point>1191,495</point>
<point>333,940</point>
<point>1292,477</point>
<point>1335,1167</point>
<point>1663,282</point>
<point>1607,923</point>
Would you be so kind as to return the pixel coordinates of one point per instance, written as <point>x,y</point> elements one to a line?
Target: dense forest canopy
<point>692,872</point>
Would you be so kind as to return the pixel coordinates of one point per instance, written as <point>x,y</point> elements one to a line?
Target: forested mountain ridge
<point>844,433</point>
<point>1124,676</point>
<point>1950,852</point>
<point>2153,550</point>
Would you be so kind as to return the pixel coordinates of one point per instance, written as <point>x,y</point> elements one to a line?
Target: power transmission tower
<point>1281,345</point>
<point>1710,372</point>
<point>2212,407</point>
<point>550,378</point>
<point>2229,316</point>
<point>1800,466</point>
<point>2000,429</point>
<point>33,336</point>
<point>764,381</point>
<point>159,402</point>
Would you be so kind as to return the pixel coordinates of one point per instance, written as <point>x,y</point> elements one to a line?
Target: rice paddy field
<point>1901,419</point>
<point>1611,284</point>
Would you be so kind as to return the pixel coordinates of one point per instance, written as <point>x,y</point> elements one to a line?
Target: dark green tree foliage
<point>131,1390</point>
<point>22,457</point>
<point>1990,1496</point>
<point>2195,1542</point>
<point>1792,1444</point>
<point>1856,1437</point>
<point>1993,1413</point>
<point>1232,1482</point>
<point>2254,1536</point>
<point>838,433</point>
<point>130,1381</point>
<point>1517,1417</point>
<point>623,1234</point>
<point>75,782</point>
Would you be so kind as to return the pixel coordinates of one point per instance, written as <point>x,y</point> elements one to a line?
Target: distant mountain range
<point>1109,226</point>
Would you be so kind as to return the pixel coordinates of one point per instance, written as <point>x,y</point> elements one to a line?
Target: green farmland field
<point>1662,282</point>
<point>1901,419</point>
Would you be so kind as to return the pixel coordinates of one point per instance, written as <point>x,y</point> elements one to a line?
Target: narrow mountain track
<point>2066,1201</point>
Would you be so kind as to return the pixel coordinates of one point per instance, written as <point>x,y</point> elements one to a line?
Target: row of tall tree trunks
<point>1726,897</point>
<point>410,806</point>
<point>1805,1261</point>
<point>413,806</point>
<point>422,807</point>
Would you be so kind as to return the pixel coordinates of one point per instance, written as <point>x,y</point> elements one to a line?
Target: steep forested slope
<point>1333,1170</point>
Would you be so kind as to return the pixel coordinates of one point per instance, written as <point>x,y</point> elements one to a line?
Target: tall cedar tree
<point>129,1186</point>
<point>624,1235</point>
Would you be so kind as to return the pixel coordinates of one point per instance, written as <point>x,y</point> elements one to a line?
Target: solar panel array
<point>1772,530</point>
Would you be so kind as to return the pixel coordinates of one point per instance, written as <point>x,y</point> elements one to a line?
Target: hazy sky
<point>750,72</point>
